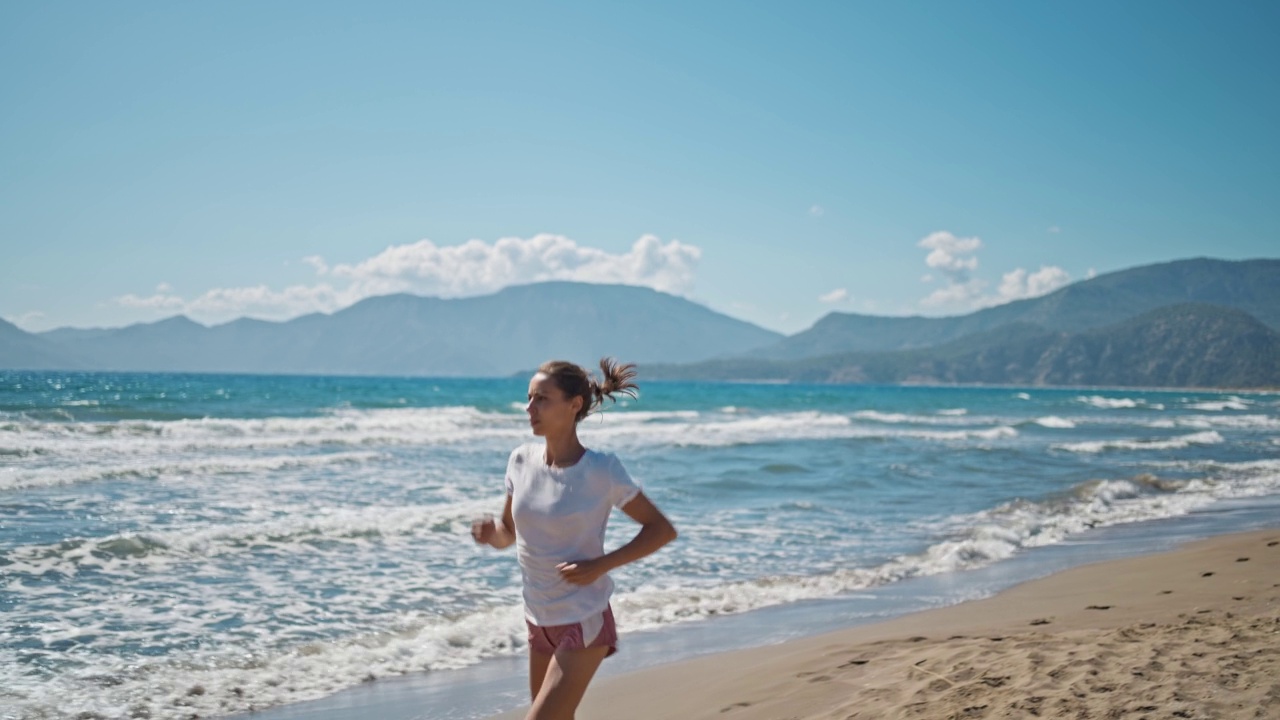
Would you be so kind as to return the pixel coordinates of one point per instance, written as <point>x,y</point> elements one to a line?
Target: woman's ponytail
<point>616,378</point>
<point>573,381</point>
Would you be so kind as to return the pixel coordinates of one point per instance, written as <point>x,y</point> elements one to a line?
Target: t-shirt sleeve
<point>622,489</point>
<point>513,467</point>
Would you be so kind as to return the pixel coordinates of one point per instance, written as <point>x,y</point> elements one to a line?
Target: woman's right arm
<point>500,533</point>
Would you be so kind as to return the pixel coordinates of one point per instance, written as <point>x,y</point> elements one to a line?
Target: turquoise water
<point>179,544</point>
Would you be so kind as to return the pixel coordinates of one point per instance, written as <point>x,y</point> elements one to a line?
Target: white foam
<point>1233,403</point>
<point>157,467</point>
<point>1203,438</point>
<point>233,680</point>
<point>71,453</point>
<point>1108,403</point>
<point>943,417</point>
<point>1053,421</point>
<point>622,430</point>
<point>1240,422</point>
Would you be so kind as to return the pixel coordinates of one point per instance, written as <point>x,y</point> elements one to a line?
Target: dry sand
<point>1193,633</point>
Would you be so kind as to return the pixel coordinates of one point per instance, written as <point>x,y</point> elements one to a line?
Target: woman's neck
<point>564,451</point>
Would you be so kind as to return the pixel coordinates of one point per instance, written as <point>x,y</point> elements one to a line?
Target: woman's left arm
<point>655,531</point>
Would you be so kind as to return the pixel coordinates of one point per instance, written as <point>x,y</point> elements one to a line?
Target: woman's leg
<point>538,662</point>
<point>565,682</point>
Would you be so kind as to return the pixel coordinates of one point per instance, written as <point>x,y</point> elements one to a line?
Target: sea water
<point>180,545</point>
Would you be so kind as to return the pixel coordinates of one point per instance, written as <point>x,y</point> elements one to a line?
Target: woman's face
<point>550,413</point>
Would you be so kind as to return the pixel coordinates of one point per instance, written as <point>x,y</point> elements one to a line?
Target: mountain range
<point>1189,323</point>
<point>1252,286</point>
<point>509,331</point>
<point>1188,345</point>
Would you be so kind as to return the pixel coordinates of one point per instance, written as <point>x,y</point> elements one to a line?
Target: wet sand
<point>1193,633</point>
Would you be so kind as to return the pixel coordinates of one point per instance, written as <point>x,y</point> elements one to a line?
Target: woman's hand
<point>582,572</point>
<point>483,530</point>
<point>495,532</point>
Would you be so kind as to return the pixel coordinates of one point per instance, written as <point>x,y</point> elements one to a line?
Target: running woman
<point>559,495</point>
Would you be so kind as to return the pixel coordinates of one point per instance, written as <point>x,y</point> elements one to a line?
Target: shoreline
<point>1192,632</point>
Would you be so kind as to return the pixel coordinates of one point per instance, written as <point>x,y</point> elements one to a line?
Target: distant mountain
<point>1200,322</point>
<point>1188,345</point>
<point>1249,285</point>
<point>20,349</point>
<point>499,334</point>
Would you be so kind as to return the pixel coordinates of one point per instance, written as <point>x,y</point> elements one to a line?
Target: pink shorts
<point>595,631</point>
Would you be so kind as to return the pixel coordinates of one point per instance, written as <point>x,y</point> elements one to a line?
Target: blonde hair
<point>573,381</point>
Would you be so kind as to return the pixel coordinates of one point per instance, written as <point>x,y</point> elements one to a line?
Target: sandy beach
<point>1193,633</point>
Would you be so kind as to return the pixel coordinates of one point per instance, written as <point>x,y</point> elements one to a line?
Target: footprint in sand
<point>735,705</point>
<point>1098,607</point>
<point>1039,621</point>
<point>1242,559</point>
<point>1208,574</point>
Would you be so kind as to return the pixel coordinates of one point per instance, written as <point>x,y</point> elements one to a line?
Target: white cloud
<point>316,262</point>
<point>476,267</point>
<point>472,268</point>
<point>263,302</point>
<point>164,288</point>
<point>159,301</point>
<point>1055,229</point>
<point>835,296</point>
<point>1093,273</point>
<point>955,260</point>
<point>1019,284</point>
<point>965,294</point>
<point>816,210</point>
<point>949,253</point>
<point>23,320</point>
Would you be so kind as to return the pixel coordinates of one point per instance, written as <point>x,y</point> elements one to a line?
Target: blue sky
<point>775,161</point>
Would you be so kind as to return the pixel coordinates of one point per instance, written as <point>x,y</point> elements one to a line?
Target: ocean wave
<point>392,427</point>
<point>342,426</point>
<point>304,531</point>
<point>1106,403</point>
<point>807,425</point>
<point>943,417</point>
<point>1053,421</point>
<point>1096,446</point>
<point>233,680</point>
<point>53,454</point>
<point>1231,403</point>
<point>153,467</point>
<point>145,449</point>
<point>1239,422</point>
<point>977,540</point>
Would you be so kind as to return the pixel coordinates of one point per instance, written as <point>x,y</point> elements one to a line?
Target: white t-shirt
<point>560,515</point>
